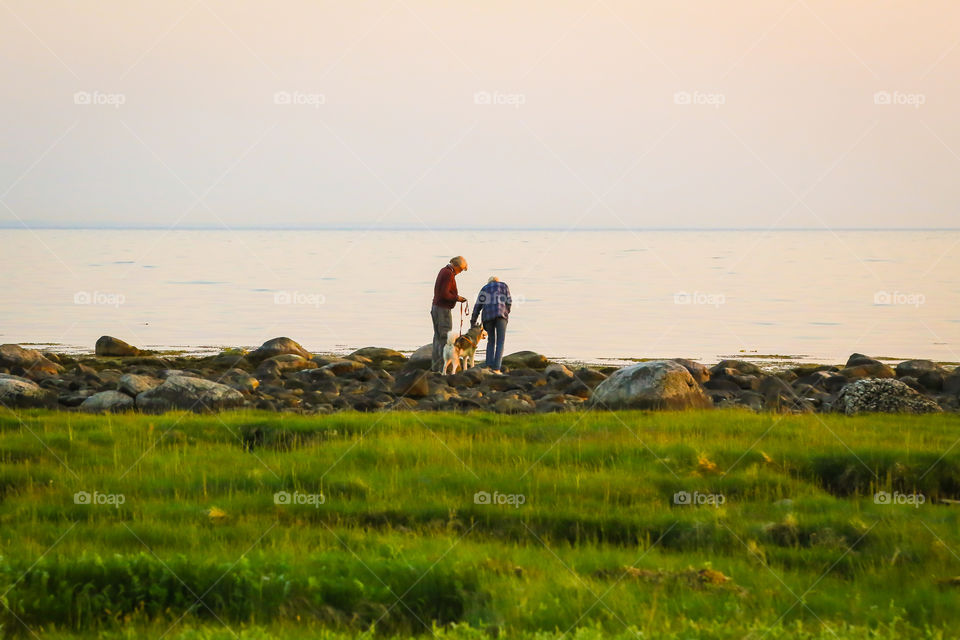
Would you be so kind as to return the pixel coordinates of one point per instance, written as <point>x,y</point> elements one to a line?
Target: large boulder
<point>110,347</point>
<point>658,384</point>
<point>192,394</point>
<point>376,354</point>
<point>286,362</point>
<point>107,402</point>
<point>277,347</point>
<point>20,393</point>
<point>916,368</point>
<point>882,395</point>
<point>858,359</point>
<point>525,360</point>
<point>735,367</point>
<point>28,362</point>
<point>700,372</point>
<point>927,372</point>
<point>877,370</point>
<point>422,358</point>
<point>229,358</point>
<point>412,383</point>
<point>133,384</point>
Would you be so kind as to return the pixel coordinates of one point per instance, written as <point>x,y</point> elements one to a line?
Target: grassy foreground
<point>263,525</point>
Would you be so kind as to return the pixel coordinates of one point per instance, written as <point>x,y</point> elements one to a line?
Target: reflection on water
<point>579,295</point>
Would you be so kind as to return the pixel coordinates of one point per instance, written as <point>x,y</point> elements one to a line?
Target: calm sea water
<point>814,295</point>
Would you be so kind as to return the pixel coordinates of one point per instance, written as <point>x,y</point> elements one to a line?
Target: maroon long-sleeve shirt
<point>445,289</point>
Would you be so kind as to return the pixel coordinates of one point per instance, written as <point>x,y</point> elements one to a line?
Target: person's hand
<point>461,299</point>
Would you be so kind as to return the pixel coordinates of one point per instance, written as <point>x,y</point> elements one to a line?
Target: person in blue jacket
<point>494,304</point>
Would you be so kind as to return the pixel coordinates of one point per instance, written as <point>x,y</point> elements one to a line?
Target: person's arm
<point>454,294</point>
<point>509,299</point>
<point>478,305</point>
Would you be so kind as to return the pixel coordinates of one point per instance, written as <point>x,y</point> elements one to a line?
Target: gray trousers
<point>442,324</point>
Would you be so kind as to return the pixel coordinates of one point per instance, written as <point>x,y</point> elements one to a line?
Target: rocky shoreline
<point>281,375</point>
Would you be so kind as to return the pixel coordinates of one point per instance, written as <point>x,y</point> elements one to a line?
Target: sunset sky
<point>405,114</point>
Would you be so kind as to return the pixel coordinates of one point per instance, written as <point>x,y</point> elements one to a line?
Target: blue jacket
<point>494,301</point>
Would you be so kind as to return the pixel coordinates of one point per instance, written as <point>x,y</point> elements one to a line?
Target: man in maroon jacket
<point>445,298</point>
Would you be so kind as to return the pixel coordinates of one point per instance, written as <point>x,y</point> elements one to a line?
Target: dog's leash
<point>464,310</point>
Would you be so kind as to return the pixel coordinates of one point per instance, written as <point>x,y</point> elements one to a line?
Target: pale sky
<point>406,113</point>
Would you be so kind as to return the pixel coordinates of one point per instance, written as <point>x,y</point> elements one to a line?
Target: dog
<point>460,350</point>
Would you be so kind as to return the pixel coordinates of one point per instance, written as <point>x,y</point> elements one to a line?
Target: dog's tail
<point>452,336</point>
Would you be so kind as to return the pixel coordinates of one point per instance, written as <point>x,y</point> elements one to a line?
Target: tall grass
<point>197,544</point>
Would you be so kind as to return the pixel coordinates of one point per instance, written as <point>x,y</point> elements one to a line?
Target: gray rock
<point>882,395</point>
<point>858,359</point>
<point>741,367</point>
<point>916,368</point>
<point>286,362</point>
<point>557,370</point>
<point>700,372</point>
<point>108,346</point>
<point>20,393</point>
<point>107,402</point>
<point>277,347</point>
<point>133,384</point>
<point>377,354</point>
<point>868,370</point>
<point>525,360</point>
<point>412,383</point>
<point>241,380</point>
<point>658,384</point>
<point>342,367</point>
<point>192,394</point>
<point>30,362</point>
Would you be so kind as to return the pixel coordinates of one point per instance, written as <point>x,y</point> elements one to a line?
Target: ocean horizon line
<point>24,227</point>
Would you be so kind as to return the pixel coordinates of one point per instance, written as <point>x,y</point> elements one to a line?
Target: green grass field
<point>383,535</point>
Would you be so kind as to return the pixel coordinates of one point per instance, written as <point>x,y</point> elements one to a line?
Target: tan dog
<point>459,350</point>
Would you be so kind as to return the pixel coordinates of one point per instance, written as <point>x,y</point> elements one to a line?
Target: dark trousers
<point>496,329</point>
<point>442,324</point>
